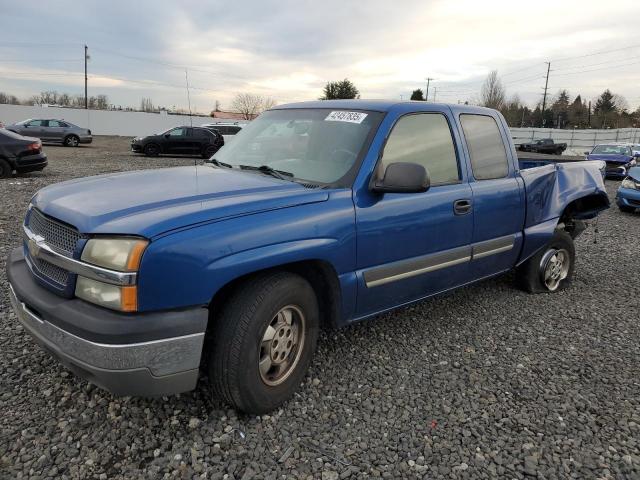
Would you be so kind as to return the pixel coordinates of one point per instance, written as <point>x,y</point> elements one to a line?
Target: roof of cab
<point>378,105</point>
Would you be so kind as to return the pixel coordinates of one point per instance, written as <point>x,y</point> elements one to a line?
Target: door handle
<point>462,207</point>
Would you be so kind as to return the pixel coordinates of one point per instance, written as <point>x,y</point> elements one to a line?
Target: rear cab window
<point>486,147</point>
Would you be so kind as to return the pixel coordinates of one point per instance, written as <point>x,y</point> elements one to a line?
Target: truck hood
<point>623,159</point>
<point>152,202</point>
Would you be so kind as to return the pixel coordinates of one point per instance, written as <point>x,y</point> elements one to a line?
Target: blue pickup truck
<point>317,214</point>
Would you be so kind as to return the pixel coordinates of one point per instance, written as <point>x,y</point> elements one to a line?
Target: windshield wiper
<point>218,163</point>
<point>282,175</point>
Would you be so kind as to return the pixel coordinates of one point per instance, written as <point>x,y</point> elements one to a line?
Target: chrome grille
<point>49,270</point>
<point>58,236</point>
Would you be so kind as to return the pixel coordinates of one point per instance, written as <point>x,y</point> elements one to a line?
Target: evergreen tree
<point>417,95</point>
<point>604,110</point>
<point>560,109</point>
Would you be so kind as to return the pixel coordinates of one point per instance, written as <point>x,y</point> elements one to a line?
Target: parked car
<point>20,154</point>
<point>545,145</point>
<point>54,131</point>
<point>179,141</point>
<point>628,196</point>
<point>371,206</point>
<point>227,129</point>
<point>619,157</point>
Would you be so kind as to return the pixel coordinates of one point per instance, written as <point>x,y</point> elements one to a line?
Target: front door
<point>176,141</point>
<point>411,245</point>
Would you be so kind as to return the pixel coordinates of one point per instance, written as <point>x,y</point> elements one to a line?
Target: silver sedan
<point>58,131</point>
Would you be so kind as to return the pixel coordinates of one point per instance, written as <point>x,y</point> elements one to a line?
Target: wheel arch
<point>319,273</point>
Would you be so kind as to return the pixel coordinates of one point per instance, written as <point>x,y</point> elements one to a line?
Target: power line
<point>596,53</point>
<point>598,69</point>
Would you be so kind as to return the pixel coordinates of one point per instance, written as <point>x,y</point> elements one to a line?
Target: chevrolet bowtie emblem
<point>34,245</point>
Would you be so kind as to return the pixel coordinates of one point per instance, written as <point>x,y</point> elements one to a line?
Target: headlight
<point>121,254</point>
<point>629,183</point>
<point>124,299</point>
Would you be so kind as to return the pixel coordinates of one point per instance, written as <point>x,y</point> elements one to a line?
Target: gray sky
<point>288,49</point>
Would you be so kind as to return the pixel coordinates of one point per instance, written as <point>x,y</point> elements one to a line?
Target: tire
<point>5,169</point>
<point>152,150</point>
<point>71,141</point>
<point>241,345</point>
<point>551,269</point>
<point>625,209</point>
<point>209,151</point>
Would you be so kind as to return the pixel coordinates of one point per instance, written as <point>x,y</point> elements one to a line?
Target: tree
<point>604,108</point>
<point>9,99</point>
<point>102,102</point>
<point>560,109</point>
<point>515,112</point>
<point>250,105</point>
<point>146,105</point>
<point>577,113</point>
<point>493,92</point>
<point>417,95</point>
<point>343,89</point>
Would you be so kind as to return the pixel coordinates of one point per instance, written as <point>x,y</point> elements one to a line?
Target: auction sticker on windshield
<point>342,116</point>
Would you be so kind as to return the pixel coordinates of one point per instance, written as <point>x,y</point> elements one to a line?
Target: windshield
<point>313,145</point>
<point>612,150</point>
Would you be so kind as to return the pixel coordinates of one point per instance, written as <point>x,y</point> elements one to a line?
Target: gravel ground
<point>487,382</point>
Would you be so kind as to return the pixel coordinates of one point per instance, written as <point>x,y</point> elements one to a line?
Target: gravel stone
<point>436,383</point>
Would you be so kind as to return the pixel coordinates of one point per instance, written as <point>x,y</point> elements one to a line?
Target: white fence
<point>103,122</point>
<point>577,139</point>
<point>113,122</point>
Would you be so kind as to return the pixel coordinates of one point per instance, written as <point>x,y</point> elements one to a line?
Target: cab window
<point>425,139</point>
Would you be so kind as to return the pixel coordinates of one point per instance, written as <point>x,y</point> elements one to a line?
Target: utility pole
<point>186,77</point>
<point>426,97</point>
<point>544,98</point>
<point>86,57</point>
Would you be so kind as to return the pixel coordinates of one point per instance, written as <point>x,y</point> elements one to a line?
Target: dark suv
<point>181,141</point>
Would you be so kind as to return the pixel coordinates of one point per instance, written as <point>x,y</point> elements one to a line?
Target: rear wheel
<point>625,209</point>
<point>263,342</point>
<point>5,169</point>
<point>551,269</point>
<point>71,141</point>
<point>152,150</point>
<point>209,151</point>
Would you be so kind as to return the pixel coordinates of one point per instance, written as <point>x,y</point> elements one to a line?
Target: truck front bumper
<point>110,349</point>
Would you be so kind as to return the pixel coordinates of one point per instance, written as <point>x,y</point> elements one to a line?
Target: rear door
<point>498,194</point>
<point>55,130</point>
<point>411,245</point>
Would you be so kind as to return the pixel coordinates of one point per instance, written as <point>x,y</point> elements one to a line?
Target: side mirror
<point>166,135</point>
<point>636,154</point>
<point>587,153</point>
<point>403,177</point>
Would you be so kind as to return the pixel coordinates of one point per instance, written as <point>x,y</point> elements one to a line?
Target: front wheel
<point>551,269</point>
<point>152,150</point>
<point>263,342</point>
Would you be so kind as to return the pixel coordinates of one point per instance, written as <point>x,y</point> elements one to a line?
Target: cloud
<point>288,49</point>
